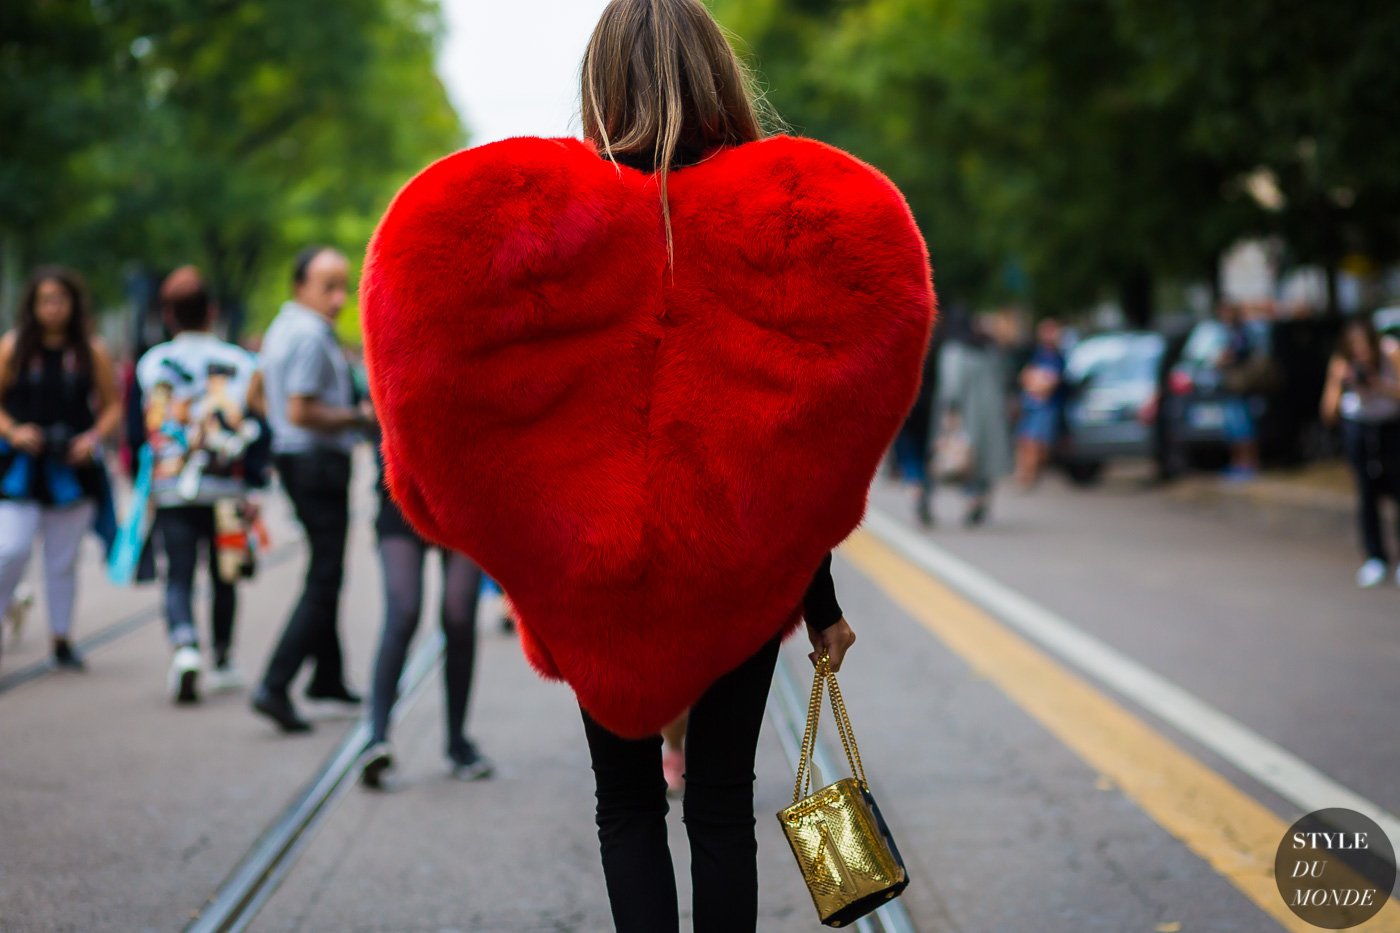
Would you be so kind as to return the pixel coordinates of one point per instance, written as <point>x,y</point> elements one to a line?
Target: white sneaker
<point>20,604</point>
<point>1372,573</point>
<point>224,678</point>
<point>183,680</point>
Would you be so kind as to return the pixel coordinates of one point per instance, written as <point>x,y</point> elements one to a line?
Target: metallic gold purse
<point>842,843</point>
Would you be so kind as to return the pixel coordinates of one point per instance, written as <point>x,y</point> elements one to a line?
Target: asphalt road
<point>1073,718</point>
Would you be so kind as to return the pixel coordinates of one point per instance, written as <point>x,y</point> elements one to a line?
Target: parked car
<point>1286,417</point>
<point>1114,381</point>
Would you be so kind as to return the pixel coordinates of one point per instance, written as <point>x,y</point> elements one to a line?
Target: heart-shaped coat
<point>651,459</point>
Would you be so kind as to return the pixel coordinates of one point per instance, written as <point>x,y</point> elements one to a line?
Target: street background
<point>1092,699</point>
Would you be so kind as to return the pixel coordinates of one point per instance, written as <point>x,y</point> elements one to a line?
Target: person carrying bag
<point>644,380</point>
<point>842,843</point>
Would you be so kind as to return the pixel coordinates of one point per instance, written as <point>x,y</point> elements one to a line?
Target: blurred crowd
<point>201,425</point>
<point>207,424</point>
<point>1254,385</point>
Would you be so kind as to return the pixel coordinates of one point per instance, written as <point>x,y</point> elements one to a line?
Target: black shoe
<point>280,710</point>
<point>467,763</point>
<point>976,516</point>
<point>65,657</point>
<point>377,758</point>
<point>925,512</point>
<point>341,694</point>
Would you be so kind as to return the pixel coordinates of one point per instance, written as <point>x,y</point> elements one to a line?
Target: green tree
<point>248,129</point>
<point>1306,95</point>
<point>1021,132</point>
<point>1101,146</point>
<point>54,103</point>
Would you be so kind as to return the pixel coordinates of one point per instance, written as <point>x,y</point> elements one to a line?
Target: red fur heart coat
<point>651,459</point>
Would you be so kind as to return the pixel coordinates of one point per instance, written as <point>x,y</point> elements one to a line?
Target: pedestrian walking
<point>1244,371</point>
<point>1042,404</point>
<point>199,413</point>
<point>646,379</point>
<point>1363,393</point>
<point>402,555</point>
<point>316,422</point>
<point>969,414</point>
<point>58,403</point>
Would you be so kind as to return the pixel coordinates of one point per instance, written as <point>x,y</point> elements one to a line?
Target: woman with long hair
<point>1363,393</point>
<point>645,380</point>
<point>58,402</point>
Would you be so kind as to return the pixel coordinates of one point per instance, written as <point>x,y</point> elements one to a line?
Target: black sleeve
<point>819,606</point>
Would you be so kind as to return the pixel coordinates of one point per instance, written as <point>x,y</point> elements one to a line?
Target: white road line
<point>1280,770</point>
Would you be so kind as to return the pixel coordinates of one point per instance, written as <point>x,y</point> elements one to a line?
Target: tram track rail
<point>243,893</point>
<point>234,905</point>
<point>131,622</point>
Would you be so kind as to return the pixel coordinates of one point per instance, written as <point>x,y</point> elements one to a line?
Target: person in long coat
<point>971,397</point>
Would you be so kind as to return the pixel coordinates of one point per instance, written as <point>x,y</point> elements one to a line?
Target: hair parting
<point>661,82</point>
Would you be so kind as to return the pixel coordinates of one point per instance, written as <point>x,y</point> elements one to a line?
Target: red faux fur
<point>652,462</point>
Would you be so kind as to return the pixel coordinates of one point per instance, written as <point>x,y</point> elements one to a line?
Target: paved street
<point>1027,792</point>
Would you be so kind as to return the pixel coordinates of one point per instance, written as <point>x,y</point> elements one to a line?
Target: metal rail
<point>125,626</point>
<point>237,901</point>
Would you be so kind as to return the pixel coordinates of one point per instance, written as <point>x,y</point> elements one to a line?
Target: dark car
<point>1285,413</point>
<point>1113,381</point>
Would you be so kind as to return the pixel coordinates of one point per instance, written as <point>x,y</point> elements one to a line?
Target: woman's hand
<point>1337,372</point>
<point>28,438</point>
<point>835,639</point>
<point>83,448</point>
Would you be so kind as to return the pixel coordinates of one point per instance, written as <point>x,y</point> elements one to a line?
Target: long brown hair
<point>29,333</point>
<point>661,81</point>
<point>1367,329</point>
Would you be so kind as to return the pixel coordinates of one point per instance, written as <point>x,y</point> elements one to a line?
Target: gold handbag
<point>842,843</point>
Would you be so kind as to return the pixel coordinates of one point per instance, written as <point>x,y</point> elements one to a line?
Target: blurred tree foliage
<point>1070,151</point>
<point>158,132</point>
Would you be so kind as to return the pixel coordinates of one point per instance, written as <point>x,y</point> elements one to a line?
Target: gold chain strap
<point>803,785</point>
<point>848,736</point>
<point>809,735</point>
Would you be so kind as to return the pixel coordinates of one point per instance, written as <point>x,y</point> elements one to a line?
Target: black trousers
<point>1373,450</point>
<point>183,530</point>
<point>720,746</point>
<point>318,484</point>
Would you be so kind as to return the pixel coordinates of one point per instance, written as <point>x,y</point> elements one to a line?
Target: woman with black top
<point>58,402</point>
<point>721,740</point>
<point>649,397</point>
<point>1363,392</point>
<point>401,554</point>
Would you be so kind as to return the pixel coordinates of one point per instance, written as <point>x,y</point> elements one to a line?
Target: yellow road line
<point>1235,834</point>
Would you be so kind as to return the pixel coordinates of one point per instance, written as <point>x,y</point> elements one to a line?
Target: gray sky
<point>511,66</point>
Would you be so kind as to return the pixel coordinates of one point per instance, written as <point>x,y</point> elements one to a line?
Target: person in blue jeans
<point>1240,431</point>
<point>198,394</point>
<point>1042,403</point>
